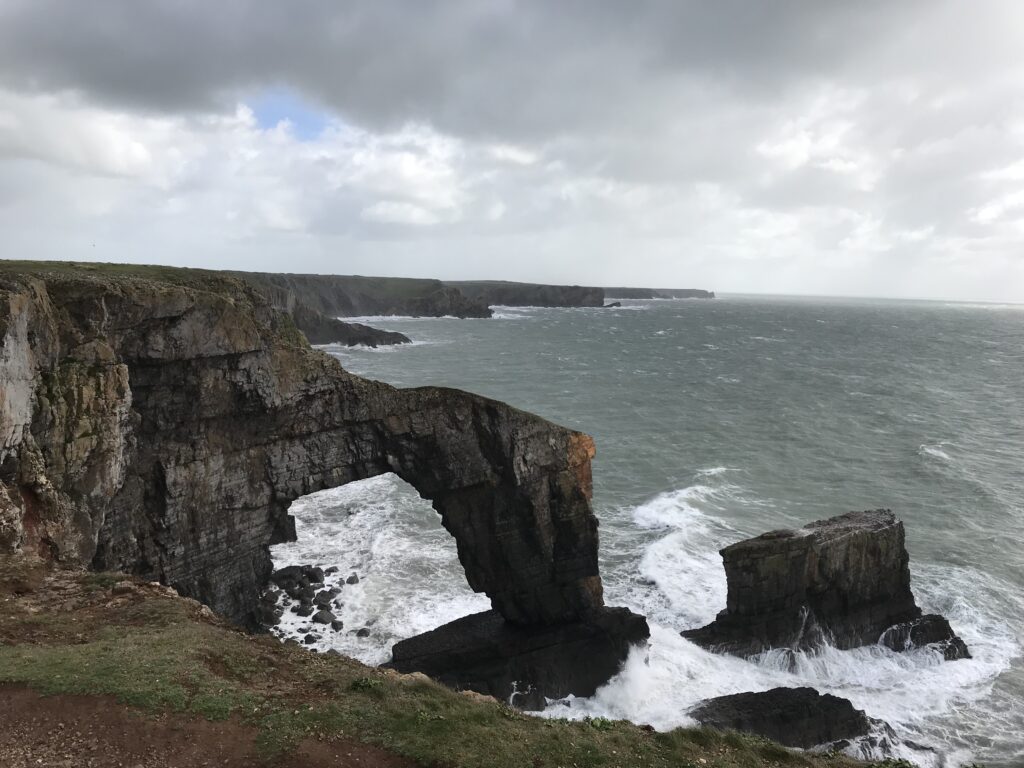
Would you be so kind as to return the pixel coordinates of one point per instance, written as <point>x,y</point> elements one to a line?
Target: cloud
<point>826,147</point>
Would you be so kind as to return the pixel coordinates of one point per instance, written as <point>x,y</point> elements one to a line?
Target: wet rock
<point>364,632</point>
<point>323,617</point>
<point>270,597</point>
<point>267,615</point>
<point>337,625</point>
<point>353,579</point>
<point>303,610</point>
<point>313,574</point>
<point>323,598</point>
<point>845,580</point>
<point>310,639</point>
<point>493,657</point>
<point>332,570</point>
<point>287,576</point>
<point>930,629</point>
<point>613,304</point>
<point>794,717</point>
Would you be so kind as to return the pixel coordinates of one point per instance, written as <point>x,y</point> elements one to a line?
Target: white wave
<point>341,349</point>
<point>400,318</point>
<point>410,579</point>
<point>935,450</point>
<point>948,706</point>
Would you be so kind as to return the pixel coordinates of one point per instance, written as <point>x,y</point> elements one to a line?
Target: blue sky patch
<point>273,106</point>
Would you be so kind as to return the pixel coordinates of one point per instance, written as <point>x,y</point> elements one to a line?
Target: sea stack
<point>845,581</point>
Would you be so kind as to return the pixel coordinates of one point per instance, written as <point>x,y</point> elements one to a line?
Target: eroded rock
<point>845,580</point>
<point>524,665</point>
<point>794,717</point>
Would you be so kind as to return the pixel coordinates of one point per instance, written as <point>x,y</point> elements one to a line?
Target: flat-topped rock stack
<point>845,581</point>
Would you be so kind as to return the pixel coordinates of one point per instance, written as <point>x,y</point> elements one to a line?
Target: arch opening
<point>408,578</point>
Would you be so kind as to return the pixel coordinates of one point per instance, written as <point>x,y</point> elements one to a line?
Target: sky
<point>871,148</point>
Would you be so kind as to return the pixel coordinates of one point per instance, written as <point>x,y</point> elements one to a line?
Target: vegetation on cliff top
<point>68,632</point>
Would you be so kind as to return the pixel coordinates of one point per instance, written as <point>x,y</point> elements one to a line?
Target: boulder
<point>794,717</point>
<point>353,579</point>
<point>323,617</point>
<point>931,629</point>
<point>287,577</point>
<point>524,665</point>
<point>845,580</point>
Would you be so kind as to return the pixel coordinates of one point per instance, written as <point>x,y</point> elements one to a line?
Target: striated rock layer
<point>845,580</point>
<point>160,422</point>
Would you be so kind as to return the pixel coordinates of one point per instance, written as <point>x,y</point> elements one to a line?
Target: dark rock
<point>323,617</point>
<point>303,610</point>
<point>930,629</point>
<point>353,579</point>
<point>271,596</point>
<point>337,625</point>
<point>267,615</point>
<point>321,329</point>
<point>794,717</point>
<point>613,305</point>
<point>332,570</point>
<point>844,580</point>
<point>286,577</point>
<point>364,632</point>
<point>310,639</point>
<point>314,574</point>
<point>487,654</point>
<point>323,598</point>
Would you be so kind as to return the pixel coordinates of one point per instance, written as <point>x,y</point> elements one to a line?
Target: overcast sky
<point>871,147</point>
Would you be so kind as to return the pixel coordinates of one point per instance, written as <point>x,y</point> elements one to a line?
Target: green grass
<point>157,653</point>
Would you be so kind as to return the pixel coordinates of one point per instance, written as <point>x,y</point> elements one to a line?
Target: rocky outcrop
<point>321,329</point>
<point>354,295</point>
<point>524,666</point>
<point>160,422</point>
<point>845,580</point>
<point>794,717</point>
<point>502,293</point>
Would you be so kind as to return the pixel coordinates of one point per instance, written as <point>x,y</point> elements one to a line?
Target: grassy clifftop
<point>100,635</point>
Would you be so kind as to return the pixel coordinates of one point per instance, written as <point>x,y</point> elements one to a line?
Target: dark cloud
<point>826,143</point>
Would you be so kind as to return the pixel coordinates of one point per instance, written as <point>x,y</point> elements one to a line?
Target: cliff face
<point>163,426</point>
<point>354,296</point>
<point>497,292</point>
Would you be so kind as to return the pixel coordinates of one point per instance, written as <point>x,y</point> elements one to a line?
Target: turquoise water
<point>715,420</point>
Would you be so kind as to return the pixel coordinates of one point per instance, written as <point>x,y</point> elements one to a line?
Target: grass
<point>79,633</point>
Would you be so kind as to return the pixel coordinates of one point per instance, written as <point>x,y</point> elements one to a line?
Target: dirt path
<point>96,732</point>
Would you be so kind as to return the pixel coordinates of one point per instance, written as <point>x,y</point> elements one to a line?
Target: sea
<point>716,420</point>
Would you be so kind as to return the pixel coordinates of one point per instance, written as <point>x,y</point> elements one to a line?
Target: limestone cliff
<point>501,292</point>
<point>355,295</point>
<point>163,426</point>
